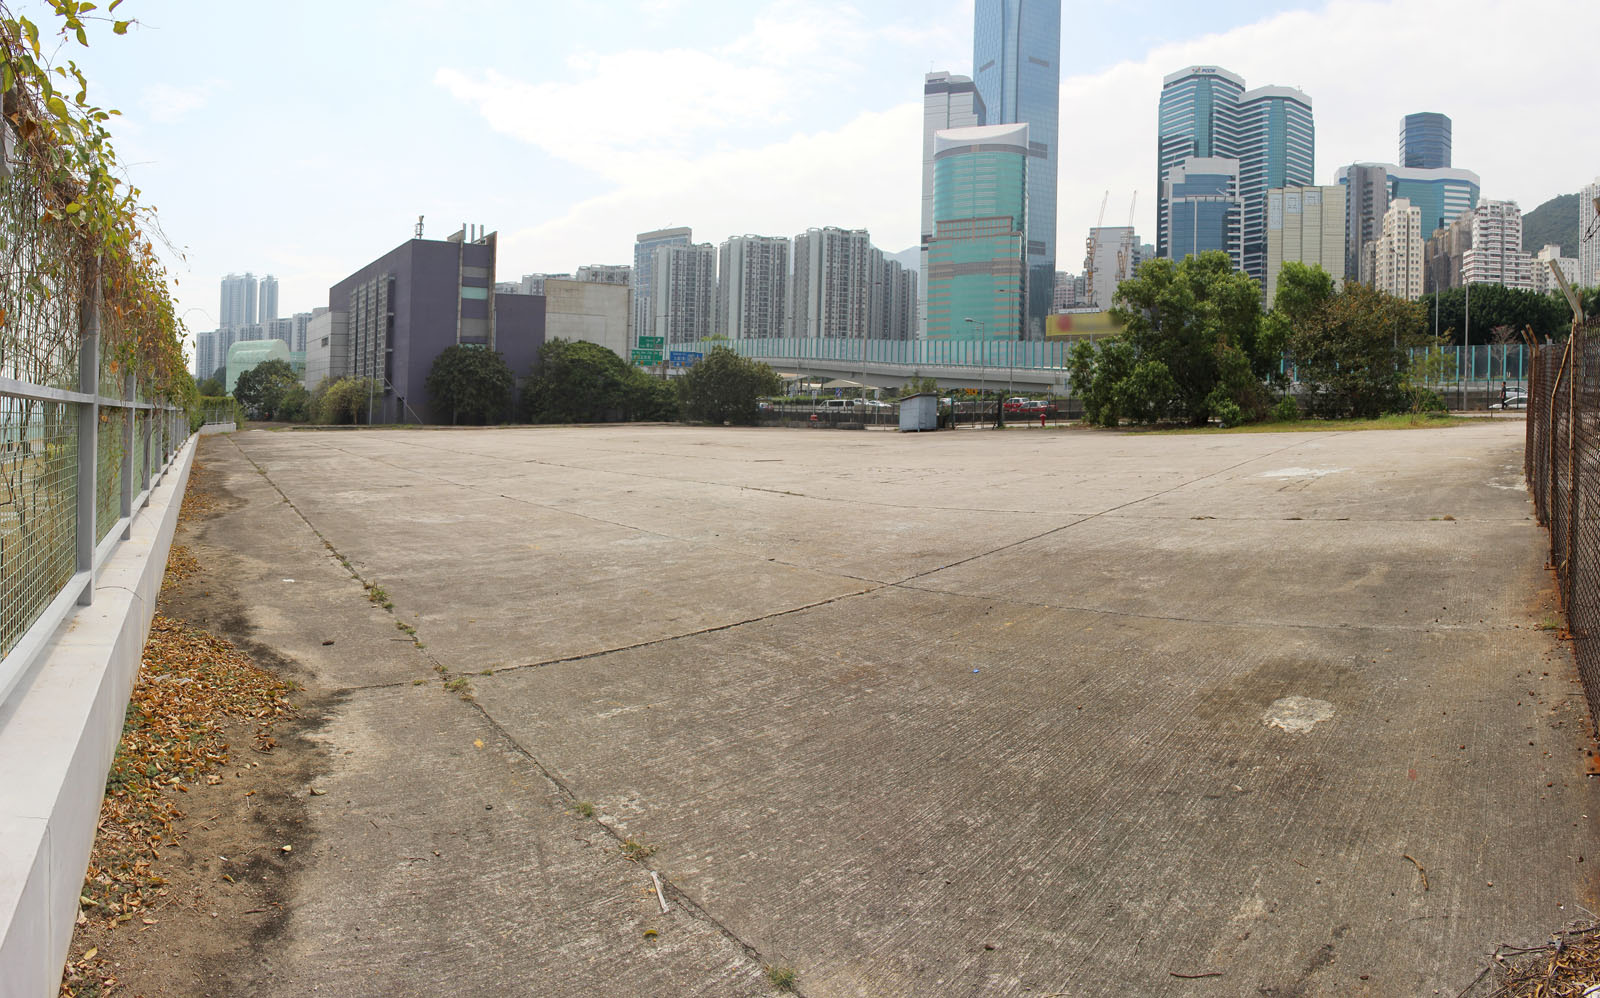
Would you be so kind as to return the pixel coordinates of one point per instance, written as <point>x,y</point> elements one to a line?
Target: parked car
<point>1037,407</point>
<point>1515,399</point>
<point>1016,404</point>
<point>764,407</point>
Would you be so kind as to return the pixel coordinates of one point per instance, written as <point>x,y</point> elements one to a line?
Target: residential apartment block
<point>1496,255</point>
<point>684,292</point>
<point>752,287</point>
<point>1398,262</point>
<point>644,250</point>
<point>830,293</point>
<point>1304,225</point>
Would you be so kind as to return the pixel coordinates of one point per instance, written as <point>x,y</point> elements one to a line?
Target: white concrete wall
<point>58,734</point>
<point>585,310</point>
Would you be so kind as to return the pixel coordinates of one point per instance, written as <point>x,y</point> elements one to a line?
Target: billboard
<point>1078,325</point>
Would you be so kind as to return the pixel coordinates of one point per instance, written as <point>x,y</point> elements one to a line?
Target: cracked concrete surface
<point>968,713</point>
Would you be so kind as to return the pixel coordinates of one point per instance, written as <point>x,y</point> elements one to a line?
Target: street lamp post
<point>983,360</point>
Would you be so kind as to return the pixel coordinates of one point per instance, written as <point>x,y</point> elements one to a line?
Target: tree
<point>341,401</point>
<point>1198,319</point>
<point>920,386</point>
<point>212,386</point>
<point>471,385</point>
<point>725,387</point>
<point>1494,305</point>
<point>580,382</point>
<point>261,389</point>
<point>1351,352</point>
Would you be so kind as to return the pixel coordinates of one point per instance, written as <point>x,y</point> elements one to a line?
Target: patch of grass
<point>405,628</point>
<point>418,682</point>
<point>1549,624</point>
<point>1399,421</point>
<point>783,978</point>
<point>459,684</point>
<point>637,851</point>
<point>584,809</point>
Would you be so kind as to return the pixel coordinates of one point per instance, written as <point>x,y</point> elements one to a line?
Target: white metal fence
<point>76,464</point>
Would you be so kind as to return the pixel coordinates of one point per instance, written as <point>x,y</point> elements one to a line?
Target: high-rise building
<point>1544,281</point>
<point>978,260</point>
<point>752,287</point>
<point>1206,113</point>
<point>830,295</point>
<point>1439,194</point>
<point>302,320</point>
<point>1496,255</point>
<point>1589,235</point>
<point>239,301</point>
<point>1277,148</point>
<point>205,355</point>
<point>268,309</point>
<point>948,101</point>
<point>684,292</point>
<point>1016,60</point>
<point>605,273</point>
<point>1444,254</point>
<point>644,251</point>
<point>1072,291</point>
<point>1398,251</point>
<point>892,302</point>
<point>1111,255</point>
<point>1366,200</point>
<point>1304,225</point>
<point>1202,209</point>
<point>1425,140</point>
<point>1198,119</point>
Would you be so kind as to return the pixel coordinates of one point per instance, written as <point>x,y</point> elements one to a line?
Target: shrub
<point>1286,411</point>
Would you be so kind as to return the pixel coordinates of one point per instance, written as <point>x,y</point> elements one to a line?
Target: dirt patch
<point>204,813</point>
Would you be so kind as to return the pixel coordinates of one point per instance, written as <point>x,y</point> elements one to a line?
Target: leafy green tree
<point>341,401</point>
<point>581,382</point>
<point>1351,353</point>
<point>725,387</point>
<point>295,405</point>
<point>261,389</point>
<point>470,385</point>
<point>1494,305</point>
<point>1114,384</point>
<point>1190,317</point>
<point>920,386</point>
<point>211,386</point>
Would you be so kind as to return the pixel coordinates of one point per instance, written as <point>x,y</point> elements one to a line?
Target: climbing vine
<point>70,226</point>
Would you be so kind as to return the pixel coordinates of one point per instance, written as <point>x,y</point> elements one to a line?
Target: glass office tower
<point>978,261</point>
<point>1425,140</point>
<point>1199,118</point>
<point>1203,208</point>
<point>1016,60</point>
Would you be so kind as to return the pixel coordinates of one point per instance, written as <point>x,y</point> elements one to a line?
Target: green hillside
<point>1555,221</point>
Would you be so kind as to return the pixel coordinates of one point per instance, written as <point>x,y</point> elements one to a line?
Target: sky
<point>303,138</point>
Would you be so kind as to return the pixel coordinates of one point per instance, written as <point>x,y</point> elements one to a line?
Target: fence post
<point>127,456</point>
<point>88,427</point>
<point>1572,465</point>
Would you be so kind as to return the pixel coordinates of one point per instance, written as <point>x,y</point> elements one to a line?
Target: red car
<point>1032,409</point>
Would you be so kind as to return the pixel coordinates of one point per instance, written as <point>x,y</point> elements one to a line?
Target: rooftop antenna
<point>419,226</point>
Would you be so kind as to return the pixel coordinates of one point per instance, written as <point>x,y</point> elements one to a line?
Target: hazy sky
<point>303,139</point>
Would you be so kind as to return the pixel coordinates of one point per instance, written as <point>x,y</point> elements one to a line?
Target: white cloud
<point>732,145</point>
<point>168,104</point>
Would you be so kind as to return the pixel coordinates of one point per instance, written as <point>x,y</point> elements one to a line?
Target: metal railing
<point>76,465</point>
<point>1562,464</point>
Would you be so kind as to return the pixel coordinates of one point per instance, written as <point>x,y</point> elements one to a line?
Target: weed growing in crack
<point>637,851</point>
<point>783,978</point>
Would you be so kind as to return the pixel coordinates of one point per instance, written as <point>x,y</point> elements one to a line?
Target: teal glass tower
<point>1016,62</point>
<point>978,260</point>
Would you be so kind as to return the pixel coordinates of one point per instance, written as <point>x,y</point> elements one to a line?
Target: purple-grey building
<point>406,307</point>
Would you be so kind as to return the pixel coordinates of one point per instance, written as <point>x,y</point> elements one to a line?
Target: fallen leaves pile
<point>196,501</point>
<point>181,564</point>
<point>190,683</point>
<point>1567,967</point>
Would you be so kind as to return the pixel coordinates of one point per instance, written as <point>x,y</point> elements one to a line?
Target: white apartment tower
<point>644,252</point>
<point>239,302</point>
<point>1544,281</point>
<point>1305,225</point>
<point>752,287</point>
<point>892,304</point>
<point>1589,236</point>
<point>269,300</point>
<point>684,292</point>
<point>1496,255</point>
<point>948,101</point>
<point>1398,261</point>
<point>829,296</point>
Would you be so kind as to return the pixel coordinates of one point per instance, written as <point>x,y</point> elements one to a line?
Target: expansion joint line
<point>681,897</point>
<point>338,555</point>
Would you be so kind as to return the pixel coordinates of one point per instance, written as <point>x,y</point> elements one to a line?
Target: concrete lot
<point>962,713</point>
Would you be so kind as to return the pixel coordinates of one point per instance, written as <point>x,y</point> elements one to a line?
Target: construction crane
<point>1126,243</point>
<point>1132,205</point>
<point>1101,221</point>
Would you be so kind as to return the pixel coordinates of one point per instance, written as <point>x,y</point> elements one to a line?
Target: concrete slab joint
<point>59,730</point>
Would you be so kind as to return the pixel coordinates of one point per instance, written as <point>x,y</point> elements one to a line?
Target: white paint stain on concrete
<point>1301,472</point>
<point>1297,714</point>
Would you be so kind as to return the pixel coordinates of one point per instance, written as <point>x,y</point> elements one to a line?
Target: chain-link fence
<point>1562,464</point>
<point>79,448</point>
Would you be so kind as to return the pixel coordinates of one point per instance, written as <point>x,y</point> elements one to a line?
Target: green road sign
<point>645,358</point>
<point>652,342</point>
